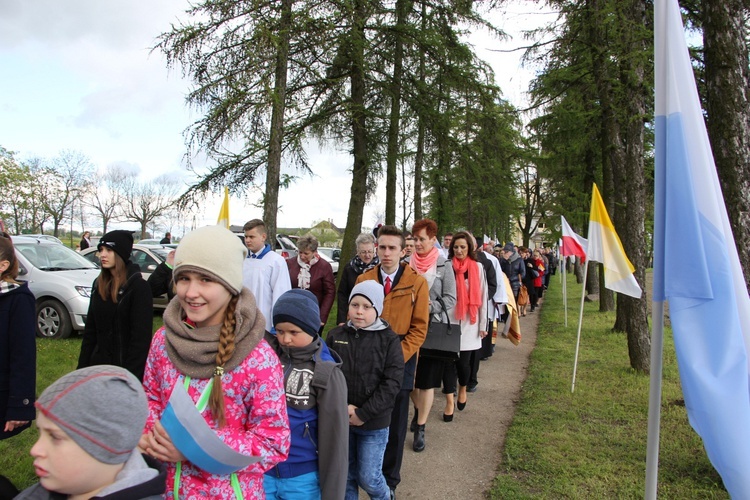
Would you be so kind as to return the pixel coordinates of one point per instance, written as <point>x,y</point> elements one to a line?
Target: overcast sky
<point>79,74</point>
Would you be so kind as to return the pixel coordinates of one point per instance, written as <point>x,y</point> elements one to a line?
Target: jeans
<point>304,487</point>
<point>366,450</point>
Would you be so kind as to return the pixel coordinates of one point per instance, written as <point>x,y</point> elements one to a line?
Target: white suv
<point>60,279</point>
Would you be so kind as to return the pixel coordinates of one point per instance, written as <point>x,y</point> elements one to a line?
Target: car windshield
<point>286,242</point>
<point>53,257</point>
<point>161,252</point>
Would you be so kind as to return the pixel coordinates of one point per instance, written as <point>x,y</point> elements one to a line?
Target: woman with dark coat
<point>17,345</point>
<point>366,258</point>
<point>85,240</point>
<point>309,272</point>
<point>120,317</point>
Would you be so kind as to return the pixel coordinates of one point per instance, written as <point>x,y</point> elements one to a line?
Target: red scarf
<point>423,264</point>
<point>471,300</point>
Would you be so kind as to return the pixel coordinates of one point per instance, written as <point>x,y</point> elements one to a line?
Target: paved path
<point>461,457</point>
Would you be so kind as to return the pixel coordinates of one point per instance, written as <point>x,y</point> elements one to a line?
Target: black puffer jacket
<point>373,366</point>
<point>119,333</point>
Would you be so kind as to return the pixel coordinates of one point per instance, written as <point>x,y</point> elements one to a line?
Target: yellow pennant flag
<point>605,247</point>
<point>224,212</point>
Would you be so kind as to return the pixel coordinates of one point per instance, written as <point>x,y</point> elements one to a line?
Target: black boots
<point>413,426</point>
<point>419,438</point>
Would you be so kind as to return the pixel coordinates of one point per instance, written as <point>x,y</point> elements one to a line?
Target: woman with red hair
<point>432,266</point>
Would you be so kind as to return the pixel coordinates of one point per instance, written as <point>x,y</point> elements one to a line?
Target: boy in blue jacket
<point>373,365</point>
<point>316,405</point>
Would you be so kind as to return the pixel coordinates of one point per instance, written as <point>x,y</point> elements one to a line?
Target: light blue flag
<point>696,266</point>
<point>193,437</point>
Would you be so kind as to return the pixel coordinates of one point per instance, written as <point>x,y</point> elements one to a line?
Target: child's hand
<point>353,418</point>
<point>160,445</point>
<point>483,333</point>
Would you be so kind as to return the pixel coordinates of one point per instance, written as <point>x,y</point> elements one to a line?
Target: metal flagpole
<point>565,293</point>
<point>580,320</point>
<point>654,399</point>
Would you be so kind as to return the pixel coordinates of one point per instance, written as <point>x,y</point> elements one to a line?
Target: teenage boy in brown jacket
<point>407,309</point>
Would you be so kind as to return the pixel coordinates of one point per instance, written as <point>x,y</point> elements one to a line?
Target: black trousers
<point>394,450</point>
<point>486,351</point>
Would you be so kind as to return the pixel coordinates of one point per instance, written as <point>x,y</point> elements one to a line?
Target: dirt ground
<point>461,457</point>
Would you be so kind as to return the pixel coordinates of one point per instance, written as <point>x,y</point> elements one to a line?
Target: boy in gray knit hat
<point>89,424</point>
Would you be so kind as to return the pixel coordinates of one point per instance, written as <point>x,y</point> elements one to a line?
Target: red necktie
<point>387,287</point>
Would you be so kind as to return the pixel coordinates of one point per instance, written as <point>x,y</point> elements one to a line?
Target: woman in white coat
<point>471,306</point>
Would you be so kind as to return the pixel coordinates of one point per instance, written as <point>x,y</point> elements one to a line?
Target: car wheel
<point>52,320</point>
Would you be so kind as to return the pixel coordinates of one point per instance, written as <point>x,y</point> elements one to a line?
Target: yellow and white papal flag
<point>605,247</point>
<point>224,212</point>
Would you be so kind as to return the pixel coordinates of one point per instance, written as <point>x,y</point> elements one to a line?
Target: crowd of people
<point>241,393</point>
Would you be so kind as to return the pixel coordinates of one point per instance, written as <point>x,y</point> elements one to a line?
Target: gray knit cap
<point>372,291</point>
<point>214,251</point>
<point>102,408</point>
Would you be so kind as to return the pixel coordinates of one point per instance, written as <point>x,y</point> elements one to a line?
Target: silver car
<point>60,279</point>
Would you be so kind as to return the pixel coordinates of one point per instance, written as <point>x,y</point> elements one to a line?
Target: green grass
<point>592,443</point>
<point>55,358</point>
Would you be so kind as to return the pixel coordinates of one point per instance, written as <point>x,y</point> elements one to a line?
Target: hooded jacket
<point>119,333</point>
<point>373,366</point>
<point>407,310</point>
<point>142,477</point>
<point>318,416</point>
<point>512,267</point>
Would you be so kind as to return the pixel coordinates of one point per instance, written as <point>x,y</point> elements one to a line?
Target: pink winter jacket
<point>256,418</point>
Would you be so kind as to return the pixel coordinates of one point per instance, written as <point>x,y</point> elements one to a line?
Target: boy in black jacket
<point>373,365</point>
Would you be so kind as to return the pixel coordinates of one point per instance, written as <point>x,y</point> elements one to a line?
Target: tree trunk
<point>592,280</point>
<point>632,313</point>
<point>359,135</point>
<point>609,133</point>
<point>391,161</point>
<point>419,155</point>
<point>726,64</point>
<point>273,170</point>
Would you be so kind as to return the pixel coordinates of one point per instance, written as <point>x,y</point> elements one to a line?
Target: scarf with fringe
<point>468,301</point>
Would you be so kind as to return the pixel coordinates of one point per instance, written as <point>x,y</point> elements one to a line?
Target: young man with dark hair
<point>264,272</point>
<point>407,309</point>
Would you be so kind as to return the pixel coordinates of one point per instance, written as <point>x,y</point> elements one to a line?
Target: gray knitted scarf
<point>193,350</point>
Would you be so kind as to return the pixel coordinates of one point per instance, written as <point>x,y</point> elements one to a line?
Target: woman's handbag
<point>523,296</point>
<point>443,335</point>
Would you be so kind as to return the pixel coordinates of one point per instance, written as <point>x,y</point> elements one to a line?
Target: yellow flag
<point>224,212</point>
<point>605,247</point>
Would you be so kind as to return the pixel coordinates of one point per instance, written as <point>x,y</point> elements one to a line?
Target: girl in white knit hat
<point>210,360</point>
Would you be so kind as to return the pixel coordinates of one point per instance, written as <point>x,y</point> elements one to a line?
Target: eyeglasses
<point>367,252</point>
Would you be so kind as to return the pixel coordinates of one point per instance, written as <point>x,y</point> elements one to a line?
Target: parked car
<point>60,279</point>
<point>284,245</point>
<point>334,264</point>
<point>150,241</point>
<point>332,253</point>
<point>46,237</point>
<point>147,257</point>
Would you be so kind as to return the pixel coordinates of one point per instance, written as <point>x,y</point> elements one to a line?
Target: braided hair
<point>224,353</point>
